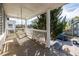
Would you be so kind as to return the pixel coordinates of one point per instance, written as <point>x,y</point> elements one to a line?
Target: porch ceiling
<point>28,9</point>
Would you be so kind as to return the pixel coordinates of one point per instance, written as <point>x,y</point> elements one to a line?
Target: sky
<point>30,20</point>
<point>18,21</point>
<point>69,10</point>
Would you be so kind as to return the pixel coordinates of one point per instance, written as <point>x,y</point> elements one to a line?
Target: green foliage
<point>57,23</point>
<point>77,17</point>
<point>41,23</point>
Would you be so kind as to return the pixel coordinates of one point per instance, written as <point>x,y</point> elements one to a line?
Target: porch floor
<point>29,48</point>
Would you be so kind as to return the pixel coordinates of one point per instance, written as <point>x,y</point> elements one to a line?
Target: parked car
<point>76,42</point>
<point>62,37</point>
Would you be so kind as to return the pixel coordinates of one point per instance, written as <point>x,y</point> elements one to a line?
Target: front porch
<point>31,42</point>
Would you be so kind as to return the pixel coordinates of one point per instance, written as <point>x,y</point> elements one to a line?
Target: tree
<point>40,23</point>
<point>77,17</point>
<point>57,23</point>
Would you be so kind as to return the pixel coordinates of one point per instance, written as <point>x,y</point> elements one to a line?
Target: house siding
<point>2,25</point>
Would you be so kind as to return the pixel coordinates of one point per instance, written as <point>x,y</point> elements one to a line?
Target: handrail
<point>37,34</point>
<point>38,30</point>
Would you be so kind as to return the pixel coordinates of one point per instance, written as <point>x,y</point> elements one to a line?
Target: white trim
<point>2,39</point>
<point>38,30</point>
<point>48,29</point>
<point>1,36</point>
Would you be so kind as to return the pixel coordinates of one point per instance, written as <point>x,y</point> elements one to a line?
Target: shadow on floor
<point>30,48</point>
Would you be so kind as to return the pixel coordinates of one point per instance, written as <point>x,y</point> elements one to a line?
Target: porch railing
<point>38,35</point>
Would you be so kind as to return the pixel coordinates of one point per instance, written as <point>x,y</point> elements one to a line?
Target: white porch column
<point>48,29</point>
<point>26,26</point>
<point>6,26</point>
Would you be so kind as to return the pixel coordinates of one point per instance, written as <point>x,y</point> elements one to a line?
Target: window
<point>10,25</point>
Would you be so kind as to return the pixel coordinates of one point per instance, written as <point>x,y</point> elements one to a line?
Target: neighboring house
<point>75,27</point>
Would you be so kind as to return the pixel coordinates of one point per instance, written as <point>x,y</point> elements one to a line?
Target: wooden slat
<point>6,53</point>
